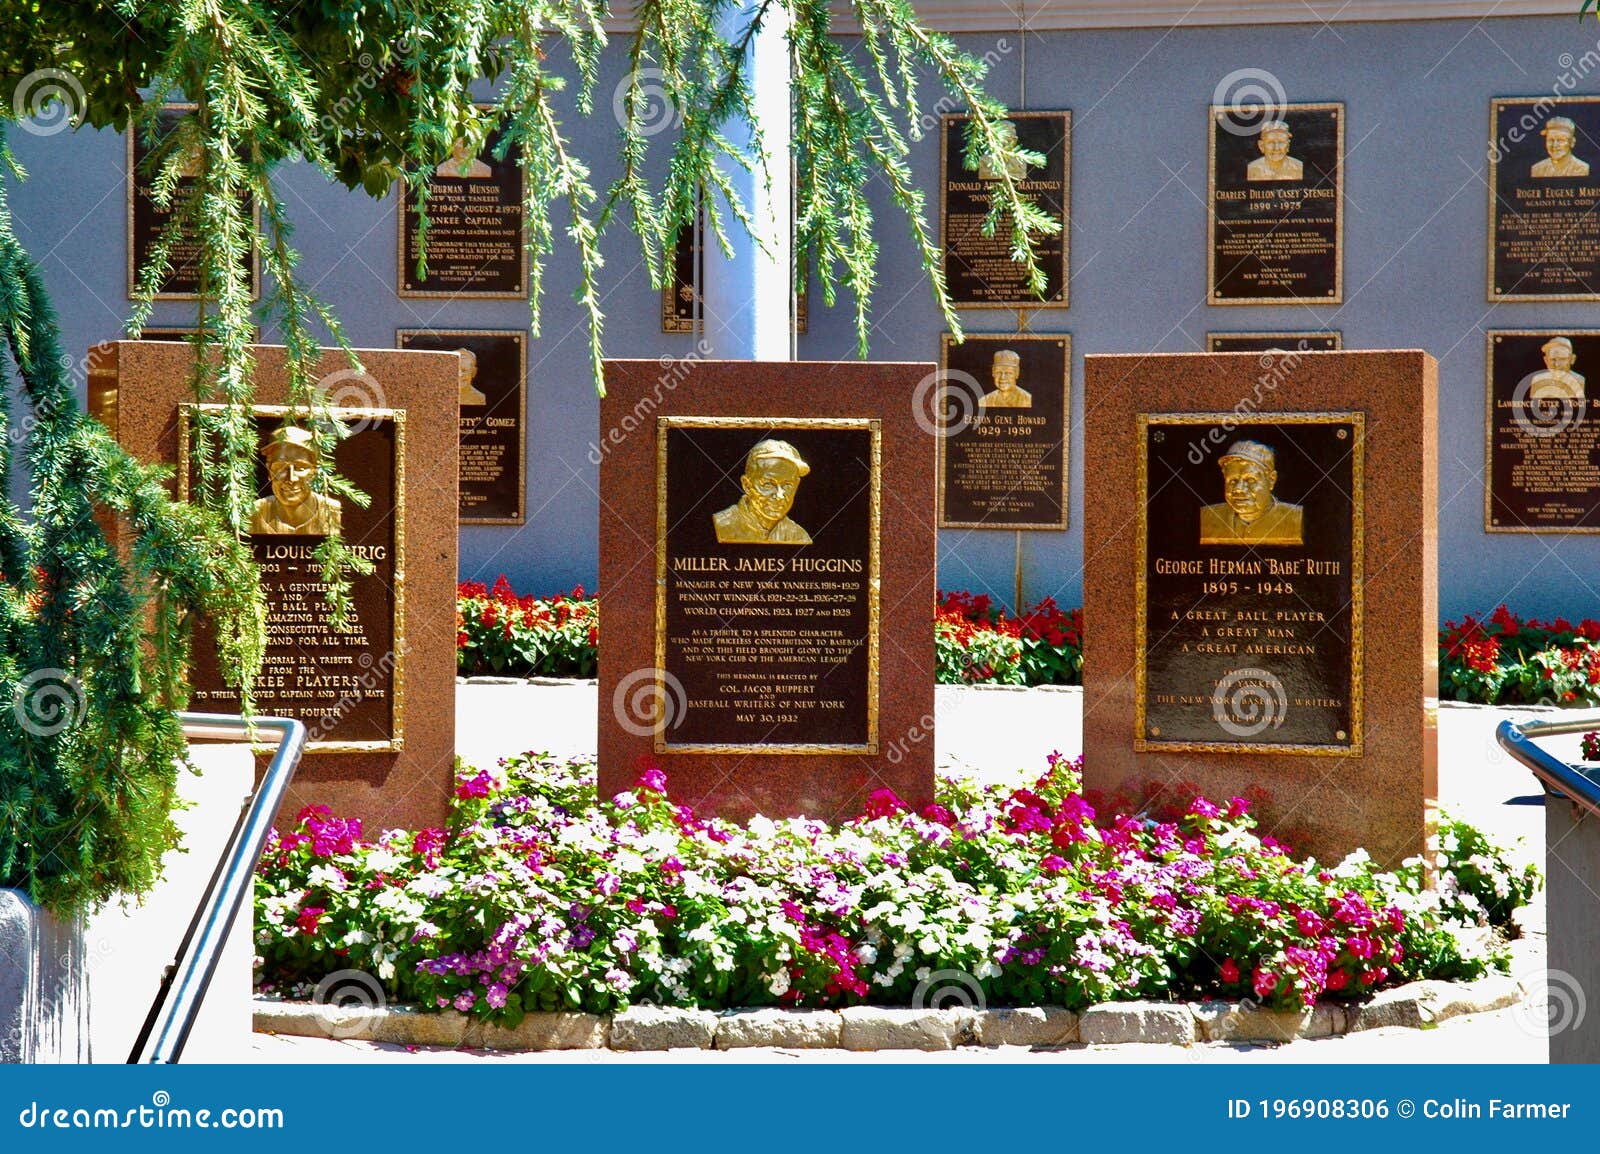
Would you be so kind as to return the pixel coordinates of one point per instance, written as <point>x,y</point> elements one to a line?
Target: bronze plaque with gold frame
<point>1311,341</point>
<point>477,243</point>
<point>979,271</point>
<point>347,687</point>
<point>1005,427</point>
<point>493,419</point>
<point>680,296</point>
<point>767,584</point>
<point>146,221</point>
<point>1541,440</point>
<point>1248,573</point>
<point>1276,205</point>
<point>1544,206</point>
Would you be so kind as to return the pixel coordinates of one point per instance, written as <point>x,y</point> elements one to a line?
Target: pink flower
<point>1203,808</point>
<point>883,803</point>
<point>308,919</point>
<point>1265,982</point>
<point>496,996</point>
<point>1309,923</point>
<point>938,813</point>
<point>1238,807</point>
<point>1053,864</point>
<point>653,780</point>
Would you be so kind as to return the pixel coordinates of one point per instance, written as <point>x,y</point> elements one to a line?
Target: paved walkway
<point>1006,735</point>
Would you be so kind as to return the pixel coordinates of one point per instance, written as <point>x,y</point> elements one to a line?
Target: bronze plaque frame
<point>1028,303</point>
<point>397,418</point>
<point>131,244</point>
<point>1555,104</point>
<point>1212,339</point>
<point>519,336</point>
<point>1489,524</point>
<point>1141,741</point>
<point>1066,430</point>
<point>874,426</point>
<point>520,293</point>
<point>1217,113</point>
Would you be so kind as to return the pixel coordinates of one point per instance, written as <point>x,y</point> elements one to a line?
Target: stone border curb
<point>1419,1005</point>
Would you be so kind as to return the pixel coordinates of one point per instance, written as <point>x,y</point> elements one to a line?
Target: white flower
<point>358,938</point>
<point>381,861</point>
<point>922,973</point>
<point>738,915</point>
<point>778,983</point>
<point>429,886</point>
<point>328,877</point>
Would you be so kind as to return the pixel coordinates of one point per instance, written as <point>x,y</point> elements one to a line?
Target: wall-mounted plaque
<point>493,418</point>
<point>346,686</point>
<point>475,228</point>
<point>1276,208</point>
<point>767,584</point>
<point>1248,566</point>
<point>681,306</point>
<point>978,269</point>
<point>1541,439</point>
<point>1544,206</point>
<point>147,220</point>
<point>1003,455</point>
<point>1306,342</point>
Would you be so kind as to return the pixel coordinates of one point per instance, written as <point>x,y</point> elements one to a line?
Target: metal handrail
<point>185,982</point>
<point>1558,778</point>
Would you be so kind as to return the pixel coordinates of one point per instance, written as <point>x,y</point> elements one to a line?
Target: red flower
<point>1230,971</point>
<point>883,803</point>
<point>308,919</point>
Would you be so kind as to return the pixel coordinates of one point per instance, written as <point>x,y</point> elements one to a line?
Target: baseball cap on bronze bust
<point>777,450</point>
<point>1007,357</point>
<point>287,437</point>
<point>1559,124</point>
<point>1253,451</point>
<point>1561,343</point>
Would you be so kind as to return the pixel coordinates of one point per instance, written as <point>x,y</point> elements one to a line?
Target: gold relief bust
<point>470,396</point>
<point>772,473</point>
<point>1250,514</point>
<point>1559,136</point>
<point>462,165</point>
<point>294,509</point>
<point>1016,167</point>
<point>1274,163</point>
<point>1005,369</point>
<point>1556,381</point>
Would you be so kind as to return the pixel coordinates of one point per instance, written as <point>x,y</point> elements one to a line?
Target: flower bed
<point>976,642</point>
<point>537,896</point>
<point>1505,660</point>
<point>498,632</point>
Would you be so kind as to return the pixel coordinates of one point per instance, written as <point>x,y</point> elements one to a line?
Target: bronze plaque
<point>347,687</point>
<point>1249,568</point>
<point>978,269</point>
<point>767,569</point>
<point>475,228</point>
<point>146,220</point>
<point>1276,208</point>
<point>1306,342</point>
<point>493,419</point>
<point>681,305</point>
<point>1003,431</point>
<point>1544,206</point>
<point>1542,441</point>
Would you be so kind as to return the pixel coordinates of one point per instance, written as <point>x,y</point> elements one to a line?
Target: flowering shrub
<point>1477,883</point>
<point>977,642</point>
<point>1508,660</point>
<point>537,896</point>
<point>499,632</point>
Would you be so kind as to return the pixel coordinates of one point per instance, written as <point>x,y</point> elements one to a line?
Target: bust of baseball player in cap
<point>1250,514</point>
<point>1004,371</point>
<point>1274,163</point>
<point>772,473</point>
<point>294,509</point>
<point>1556,381</point>
<point>1559,136</point>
